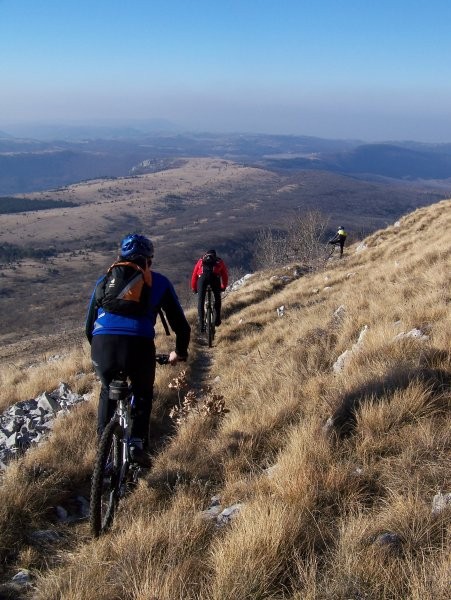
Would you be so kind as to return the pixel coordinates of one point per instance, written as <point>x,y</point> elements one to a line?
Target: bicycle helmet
<point>136,245</point>
<point>212,252</point>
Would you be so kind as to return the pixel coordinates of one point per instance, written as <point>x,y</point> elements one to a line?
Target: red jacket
<point>219,269</point>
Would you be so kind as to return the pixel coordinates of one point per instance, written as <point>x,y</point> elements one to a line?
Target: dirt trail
<point>200,367</point>
<point>200,362</point>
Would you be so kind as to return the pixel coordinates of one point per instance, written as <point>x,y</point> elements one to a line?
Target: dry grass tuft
<point>22,382</point>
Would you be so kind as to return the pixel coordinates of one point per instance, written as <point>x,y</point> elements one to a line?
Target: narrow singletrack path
<point>200,366</point>
<point>200,361</point>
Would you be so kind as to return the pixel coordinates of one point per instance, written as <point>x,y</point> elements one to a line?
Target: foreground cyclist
<point>122,339</point>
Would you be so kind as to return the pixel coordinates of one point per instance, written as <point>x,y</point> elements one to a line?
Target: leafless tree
<point>306,238</point>
<point>300,239</point>
<point>270,248</point>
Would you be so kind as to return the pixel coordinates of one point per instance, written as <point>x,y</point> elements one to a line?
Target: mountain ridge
<point>34,165</point>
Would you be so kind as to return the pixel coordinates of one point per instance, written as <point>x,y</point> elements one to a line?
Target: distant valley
<point>186,192</point>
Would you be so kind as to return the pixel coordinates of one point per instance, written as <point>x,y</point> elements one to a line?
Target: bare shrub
<point>270,248</point>
<point>300,239</point>
<point>305,239</point>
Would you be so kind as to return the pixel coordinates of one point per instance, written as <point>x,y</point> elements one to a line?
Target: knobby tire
<point>329,254</point>
<point>106,484</point>
<point>210,326</point>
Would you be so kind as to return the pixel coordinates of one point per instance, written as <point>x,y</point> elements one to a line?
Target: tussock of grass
<point>324,464</point>
<point>23,497</point>
<point>251,560</point>
<point>20,382</point>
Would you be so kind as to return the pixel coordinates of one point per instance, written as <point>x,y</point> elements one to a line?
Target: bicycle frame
<point>330,253</point>
<point>125,404</point>
<point>124,412</point>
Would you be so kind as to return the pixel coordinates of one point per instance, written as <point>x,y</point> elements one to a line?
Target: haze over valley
<point>62,155</point>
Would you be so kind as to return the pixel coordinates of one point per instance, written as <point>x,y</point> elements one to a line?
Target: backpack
<point>208,263</point>
<point>125,289</point>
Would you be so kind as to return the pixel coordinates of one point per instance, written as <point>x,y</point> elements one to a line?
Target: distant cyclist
<point>120,327</point>
<point>209,270</point>
<point>339,238</point>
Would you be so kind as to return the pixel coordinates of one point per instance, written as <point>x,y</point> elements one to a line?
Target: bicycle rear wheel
<point>106,480</point>
<point>210,326</point>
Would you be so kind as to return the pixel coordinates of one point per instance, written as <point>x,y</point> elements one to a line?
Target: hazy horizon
<point>329,70</point>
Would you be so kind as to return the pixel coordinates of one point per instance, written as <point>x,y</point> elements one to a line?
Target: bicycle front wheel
<point>106,480</point>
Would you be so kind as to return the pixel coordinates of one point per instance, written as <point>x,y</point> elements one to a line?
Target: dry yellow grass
<point>327,512</point>
<point>21,382</point>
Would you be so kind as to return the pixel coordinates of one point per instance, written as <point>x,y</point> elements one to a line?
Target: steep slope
<point>335,441</point>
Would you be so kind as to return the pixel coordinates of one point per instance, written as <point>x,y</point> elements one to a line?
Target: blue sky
<point>329,68</point>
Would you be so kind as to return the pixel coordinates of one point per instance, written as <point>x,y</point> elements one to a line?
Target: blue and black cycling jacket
<point>162,296</point>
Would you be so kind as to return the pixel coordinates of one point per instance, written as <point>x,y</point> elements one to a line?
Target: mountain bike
<point>210,316</point>
<point>115,473</point>
<point>328,252</point>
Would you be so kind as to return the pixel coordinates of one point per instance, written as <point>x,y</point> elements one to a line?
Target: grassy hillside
<point>331,465</point>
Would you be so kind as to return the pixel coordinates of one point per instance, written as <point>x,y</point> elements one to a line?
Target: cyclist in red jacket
<point>209,269</point>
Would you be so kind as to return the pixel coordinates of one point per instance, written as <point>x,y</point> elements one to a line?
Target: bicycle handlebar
<point>163,359</point>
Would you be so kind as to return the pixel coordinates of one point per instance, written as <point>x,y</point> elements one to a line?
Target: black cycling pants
<point>136,357</point>
<point>341,243</point>
<point>202,283</point>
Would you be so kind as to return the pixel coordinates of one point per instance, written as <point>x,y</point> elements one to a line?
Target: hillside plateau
<point>51,256</point>
<point>322,471</point>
